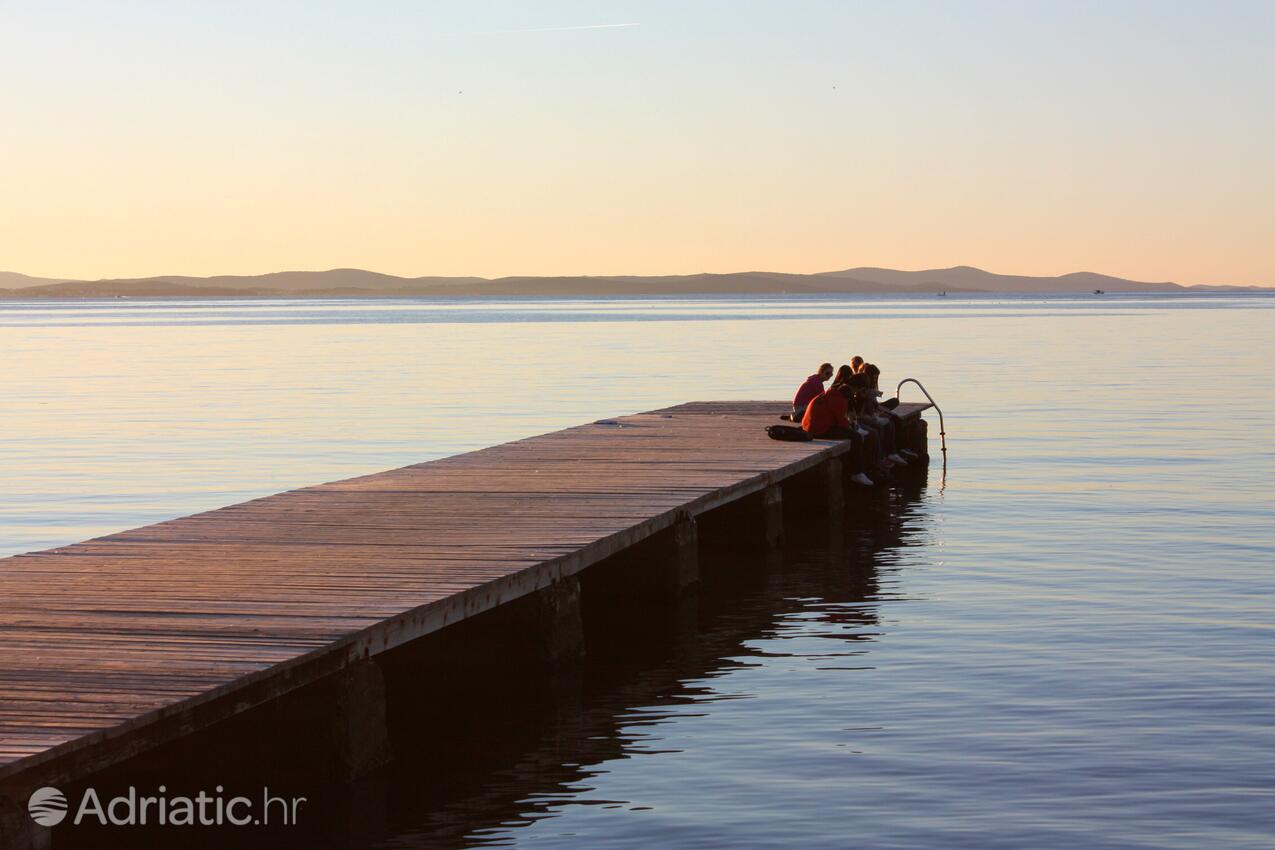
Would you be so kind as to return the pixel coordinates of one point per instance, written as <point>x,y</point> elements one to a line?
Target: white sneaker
<point>896,458</point>
<point>862,480</point>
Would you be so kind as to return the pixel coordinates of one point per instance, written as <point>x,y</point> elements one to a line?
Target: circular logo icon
<point>47,806</point>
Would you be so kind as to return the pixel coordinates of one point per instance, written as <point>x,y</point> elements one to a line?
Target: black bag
<point>788,433</point>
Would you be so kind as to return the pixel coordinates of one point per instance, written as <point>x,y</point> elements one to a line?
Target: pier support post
<point>852,462</point>
<point>921,438</point>
<point>835,482</point>
<point>677,558</point>
<point>362,742</point>
<point>772,516</point>
<point>662,567</point>
<point>555,627</point>
<point>17,829</point>
<point>871,449</point>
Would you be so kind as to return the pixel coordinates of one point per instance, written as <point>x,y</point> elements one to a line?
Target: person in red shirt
<point>808,392</point>
<point>829,414</point>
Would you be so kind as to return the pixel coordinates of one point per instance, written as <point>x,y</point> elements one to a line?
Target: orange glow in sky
<point>639,138</point>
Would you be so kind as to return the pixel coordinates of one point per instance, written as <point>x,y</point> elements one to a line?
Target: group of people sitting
<point>828,413</point>
<point>847,410</point>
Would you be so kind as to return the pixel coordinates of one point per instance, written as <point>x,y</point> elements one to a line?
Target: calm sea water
<point>1067,641</point>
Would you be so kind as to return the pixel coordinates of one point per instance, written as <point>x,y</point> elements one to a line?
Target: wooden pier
<point>119,645</point>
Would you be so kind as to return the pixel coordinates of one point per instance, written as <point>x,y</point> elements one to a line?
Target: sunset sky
<point>495,138</point>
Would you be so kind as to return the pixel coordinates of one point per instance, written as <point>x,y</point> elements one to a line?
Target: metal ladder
<point>942,428</point>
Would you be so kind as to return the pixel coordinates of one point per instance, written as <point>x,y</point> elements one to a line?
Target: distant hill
<point>968,277</point>
<point>13,280</point>
<point>358,282</point>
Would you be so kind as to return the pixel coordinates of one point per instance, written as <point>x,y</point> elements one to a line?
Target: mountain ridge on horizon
<point>362,283</point>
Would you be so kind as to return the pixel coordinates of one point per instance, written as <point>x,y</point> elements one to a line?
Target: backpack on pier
<point>788,433</point>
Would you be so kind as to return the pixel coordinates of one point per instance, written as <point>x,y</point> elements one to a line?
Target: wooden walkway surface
<point>104,637</point>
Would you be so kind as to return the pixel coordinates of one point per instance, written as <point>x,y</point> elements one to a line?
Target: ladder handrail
<point>942,428</point>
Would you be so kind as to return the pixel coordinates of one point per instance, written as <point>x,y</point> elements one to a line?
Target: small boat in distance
<point>942,294</point>
<point>1099,292</point>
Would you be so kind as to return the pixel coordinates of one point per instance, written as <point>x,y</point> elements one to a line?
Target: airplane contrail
<point>565,29</point>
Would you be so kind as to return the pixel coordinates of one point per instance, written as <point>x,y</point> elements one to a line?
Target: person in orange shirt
<point>829,414</point>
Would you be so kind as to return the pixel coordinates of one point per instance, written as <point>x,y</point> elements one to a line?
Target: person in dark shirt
<point>860,384</point>
<point>811,389</point>
<point>870,392</point>
<point>871,412</point>
<point>873,373</point>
